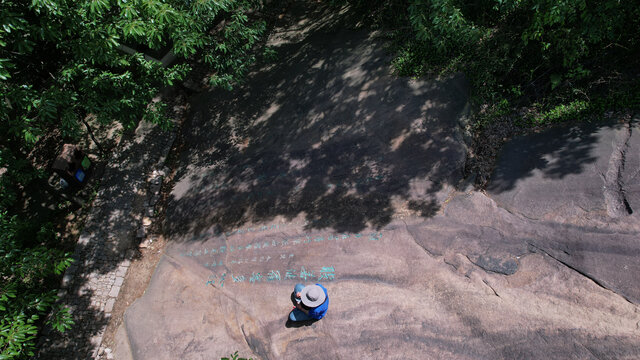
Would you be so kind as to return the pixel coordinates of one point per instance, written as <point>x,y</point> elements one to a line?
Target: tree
<point>62,61</point>
<point>543,49</point>
<point>23,303</point>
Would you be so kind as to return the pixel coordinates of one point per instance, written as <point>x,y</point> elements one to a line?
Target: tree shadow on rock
<point>328,133</point>
<point>556,153</point>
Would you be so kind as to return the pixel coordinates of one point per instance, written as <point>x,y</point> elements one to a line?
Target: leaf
<point>556,79</point>
<point>98,6</point>
<point>129,12</point>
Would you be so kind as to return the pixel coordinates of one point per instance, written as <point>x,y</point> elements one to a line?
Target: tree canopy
<point>64,60</point>
<point>559,54</point>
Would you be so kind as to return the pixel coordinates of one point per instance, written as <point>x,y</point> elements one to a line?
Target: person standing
<point>312,302</point>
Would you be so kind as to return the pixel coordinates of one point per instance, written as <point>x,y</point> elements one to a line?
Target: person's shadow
<point>297,324</point>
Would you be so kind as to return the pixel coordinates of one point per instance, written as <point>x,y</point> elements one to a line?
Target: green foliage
<point>269,54</point>
<point>582,109</point>
<point>442,24</point>
<point>563,112</point>
<point>27,261</point>
<point>232,56</point>
<point>235,356</point>
<point>551,52</point>
<point>17,171</point>
<point>64,60</point>
<point>61,60</point>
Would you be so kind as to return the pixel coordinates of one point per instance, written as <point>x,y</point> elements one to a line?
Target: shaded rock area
<point>327,168</point>
<point>593,162</point>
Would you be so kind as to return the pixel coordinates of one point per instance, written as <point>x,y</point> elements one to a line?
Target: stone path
<point>121,212</point>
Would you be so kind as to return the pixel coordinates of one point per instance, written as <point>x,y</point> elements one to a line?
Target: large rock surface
<point>577,188</point>
<point>327,168</point>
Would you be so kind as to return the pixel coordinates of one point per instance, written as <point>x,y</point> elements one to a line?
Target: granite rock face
<point>578,196</point>
<point>327,168</point>
<point>597,163</point>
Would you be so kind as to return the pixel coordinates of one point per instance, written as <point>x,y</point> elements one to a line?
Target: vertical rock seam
<point>613,189</point>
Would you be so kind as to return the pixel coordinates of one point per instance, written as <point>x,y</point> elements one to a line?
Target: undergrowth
<point>538,62</point>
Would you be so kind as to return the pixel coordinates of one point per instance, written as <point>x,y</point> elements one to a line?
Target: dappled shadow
<point>99,256</point>
<point>327,133</point>
<point>80,341</point>
<point>556,153</point>
<point>104,249</point>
